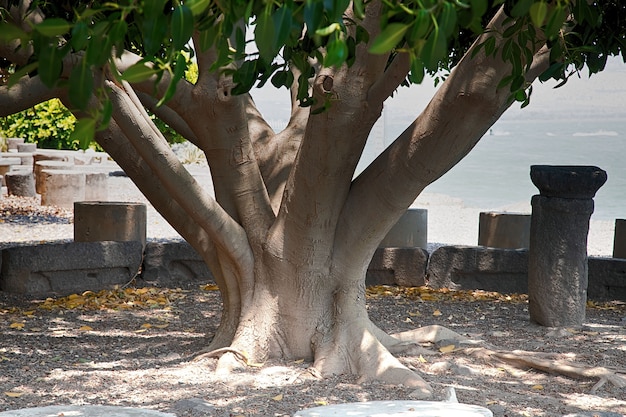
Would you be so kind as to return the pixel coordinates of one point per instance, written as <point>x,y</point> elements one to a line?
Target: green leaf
<point>328,30</point>
<point>359,9</point>
<point>313,14</point>
<point>420,27</point>
<point>521,8</point>
<point>50,65</point>
<point>264,35</point>
<point>81,85</point>
<point>282,25</point>
<point>555,22</point>
<point>388,38</point>
<point>417,71</point>
<point>336,53</point>
<point>138,72</point>
<point>80,36</point>
<point>538,12</point>
<point>52,27</point>
<point>434,50</point>
<point>447,19</point>
<point>182,26</point>
<point>197,6</point>
<point>84,132</point>
<point>15,77</point>
<point>154,30</point>
<point>9,32</point>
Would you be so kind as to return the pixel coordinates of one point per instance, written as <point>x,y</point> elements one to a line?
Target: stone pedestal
<point>619,239</point>
<point>557,258</point>
<point>96,186</point>
<point>39,166</point>
<point>84,411</point>
<point>62,188</point>
<point>13,142</point>
<point>409,232</point>
<point>399,408</point>
<point>504,230</point>
<point>26,147</point>
<point>96,221</point>
<point>21,183</point>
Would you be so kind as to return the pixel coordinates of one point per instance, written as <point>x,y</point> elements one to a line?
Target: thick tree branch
<point>459,114</point>
<point>225,137</point>
<point>27,93</point>
<point>226,234</point>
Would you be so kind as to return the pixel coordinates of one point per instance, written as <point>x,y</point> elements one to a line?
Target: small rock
<point>462,370</point>
<point>439,367</point>
<point>197,406</point>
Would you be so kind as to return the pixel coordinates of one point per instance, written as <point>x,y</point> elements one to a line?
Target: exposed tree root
<point>519,359</point>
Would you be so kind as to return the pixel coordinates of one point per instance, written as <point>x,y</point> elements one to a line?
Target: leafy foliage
<point>48,124</point>
<point>288,33</point>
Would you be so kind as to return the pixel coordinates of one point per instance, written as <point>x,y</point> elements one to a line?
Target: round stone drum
<point>397,409</point>
<point>84,411</point>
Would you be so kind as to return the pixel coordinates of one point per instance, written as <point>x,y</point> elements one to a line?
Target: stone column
<point>410,231</point>
<point>619,239</point>
<point>557,257</point>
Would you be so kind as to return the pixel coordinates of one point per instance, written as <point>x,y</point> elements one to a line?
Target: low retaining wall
<point>64,268</point>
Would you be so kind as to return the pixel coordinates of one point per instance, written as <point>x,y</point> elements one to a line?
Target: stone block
<point>96,221</point>
<point>397,266</point>
<point>65,268</point>
<point>62,188</point>
<point>96,186</point>
<point>479,267</point>
<point>21,183</point>
<point>410,231</point>
<point>607,279</point>
<point>619,239</point>
<point>504,230</point>
<point>26,147</point>
<point>13,142</point>
<point>39,166</point>
<point>26,158</point>
<point>173,263</point>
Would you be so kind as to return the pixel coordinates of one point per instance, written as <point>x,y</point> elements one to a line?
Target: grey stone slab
<point>607,279</point>
<point>396,408</point>
<point>84,411</point>
<point>397,266</point>
<point>64,268</point>
<point>173,263</point>
<point>479,267</point>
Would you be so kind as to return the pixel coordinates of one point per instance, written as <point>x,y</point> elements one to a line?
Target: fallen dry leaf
<point>447,348</point>
<point>13,394</point>
<point>85,328</point>
<point>16,325</point>
<point>537,387</point>
<point>279,397</point>
<point>436,313</point>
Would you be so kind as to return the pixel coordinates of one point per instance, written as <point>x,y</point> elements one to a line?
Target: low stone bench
<point>26,158</point>
<point>504,230</point>
<point>173,263</point>
<point>479,267</point>
<point>65,268</point>
<point>103,220</point>
<point>62,188</point>
<point>397,266</point>
<point>20,183</point>
<point>410,231</point>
